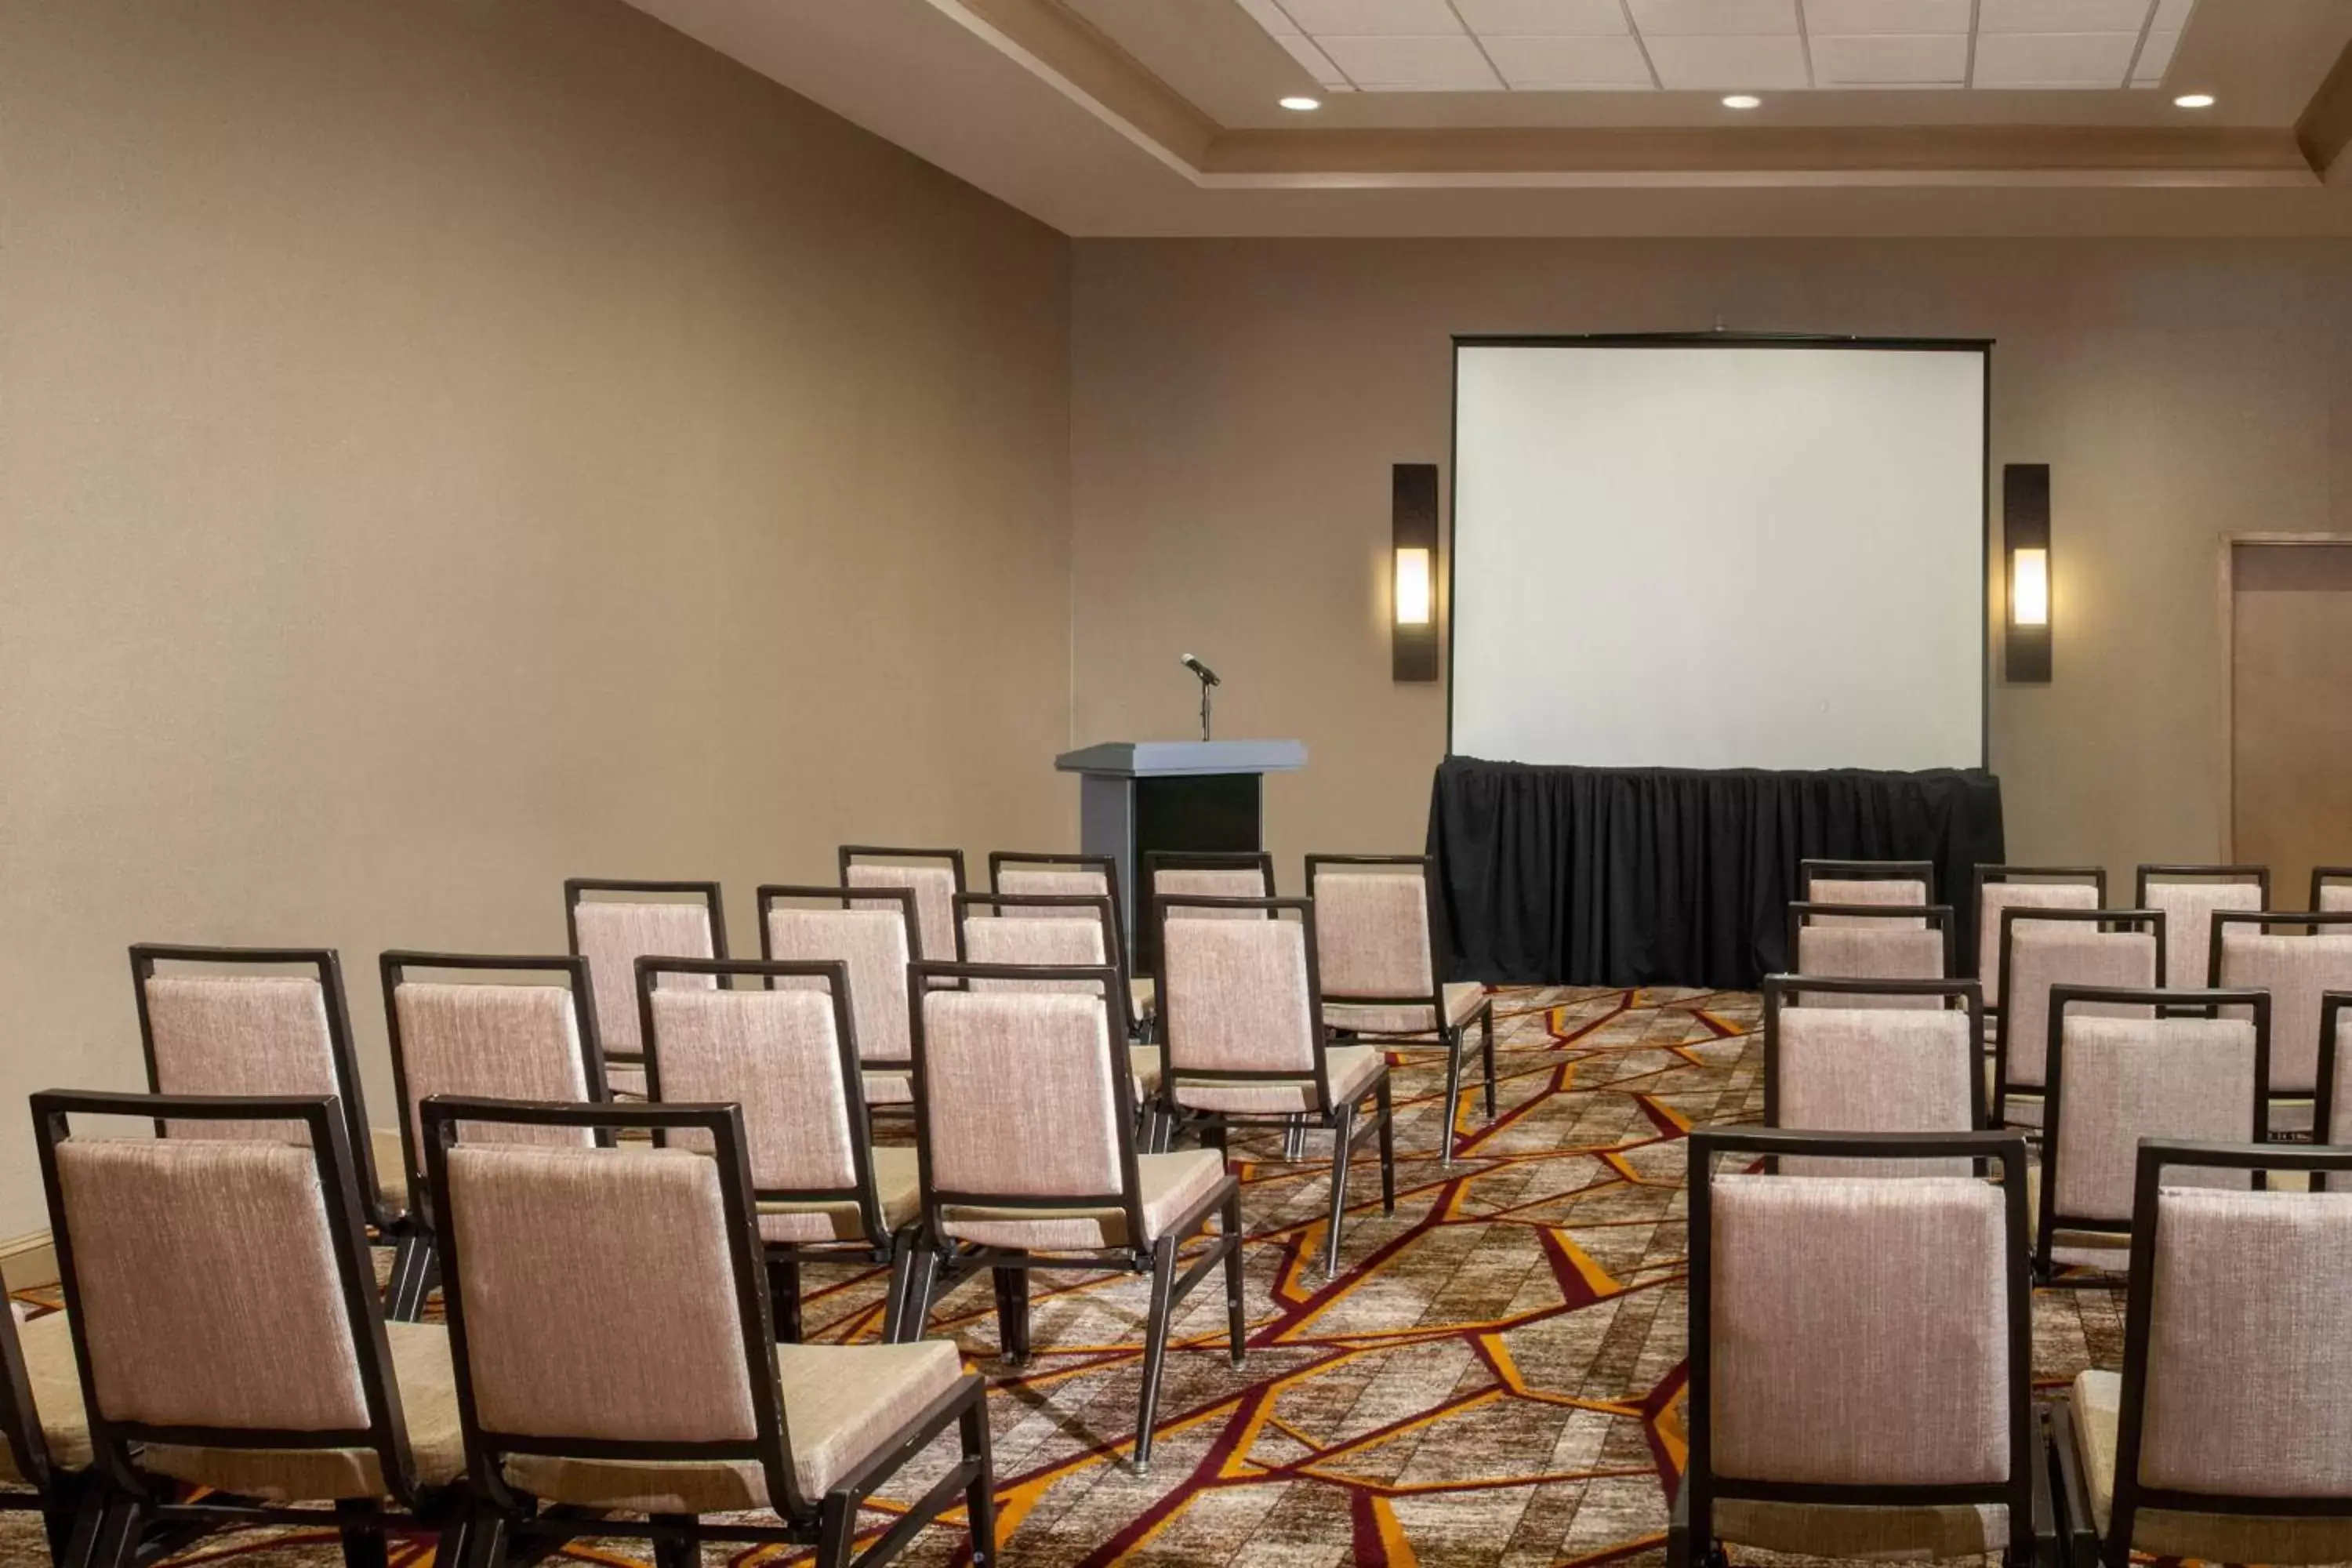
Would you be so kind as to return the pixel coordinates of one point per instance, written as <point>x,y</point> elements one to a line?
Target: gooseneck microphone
<point>1208,679</point>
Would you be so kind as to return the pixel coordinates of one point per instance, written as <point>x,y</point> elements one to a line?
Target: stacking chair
<point>934,876</point>
<point>2332,1114</point>
<point>512,1040</point>
<point>2331,888</point>
<point>1240,1002</point>
<point>258,1020</point>
<point>1021,876</point>
<point>610,1323</point>
<point>2298,972</point>
<point>1872,942</point>
<point>2188,896</point>
<point>1029,1158</point>
<point>2114,1083</point>
<point>224,1311</point>
<point>873,934</point>
<point>1907,882</point>
<point>1842,1057</point>
<point>1377,951</point>
<point>2227,1435</point>
<point>2039,948</point>
<point>1215,874</point>
<point>44,1462</point>
<point>2002,887</point>
<point>788,1056</point>
<point>1861,1367</point>
<point>1061,930</point>
<point>614,924</point>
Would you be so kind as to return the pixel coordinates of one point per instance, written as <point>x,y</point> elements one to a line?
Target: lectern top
<point>1161,759</point>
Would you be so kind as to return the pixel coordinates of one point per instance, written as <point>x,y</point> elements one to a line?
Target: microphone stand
<point>1204,708</point>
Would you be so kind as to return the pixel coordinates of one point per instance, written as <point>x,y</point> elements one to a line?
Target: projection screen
<point>1719,553</point>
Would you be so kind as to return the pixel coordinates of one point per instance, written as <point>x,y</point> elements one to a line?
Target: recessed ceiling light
<point>2194,100</point>
<point>1301,105</point>
<point>1743,100</point>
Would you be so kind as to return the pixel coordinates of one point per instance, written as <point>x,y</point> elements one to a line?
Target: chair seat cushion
<point>1353,1071</point>
<point>54,1378</point>
<point>1821,1530</point>
<point>2097,1404</point>
<point>841,1405</point>
<point>1145,993</point>
<point>1172,1185</point>
<point>428,1403</point>
<point>391,1168</point>
<point>1143,1069</point>
<point>1463,999</point>
<point>897,1188</point>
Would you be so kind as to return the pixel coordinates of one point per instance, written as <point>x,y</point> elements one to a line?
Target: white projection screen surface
<point>1720,555</point>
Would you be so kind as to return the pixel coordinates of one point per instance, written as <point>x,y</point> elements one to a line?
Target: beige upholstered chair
<point>2185,1072</point>
<point>611,1314</point>
<point>1910,883</point>
<point>2002,887</point>
<point>2332,1121</point>
<point>225,1315</point>
<point>256,1020</point>
<point>612,924</point>
<point>1857,941</point>
<point>787,1055</point>
<point>1860,1368</point>
<point>1209,874</point>
<point>874,935</point>
<point>1377,948</point>
<point>1029,1158</point>
<point>2189,896</point>
<point>1022,875</point>
<point>2298,970</point>
<point>2045,947</point>
<point>514,1039</point>
<point>1842,1057</point>
<point>1241,1024</point>
<point>2331,888</point>
<point>45,1453</point>
<point>934,876</point>
<point>2227,1435</point>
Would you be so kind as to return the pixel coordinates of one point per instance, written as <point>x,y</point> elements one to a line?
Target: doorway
<point>2289,641</point>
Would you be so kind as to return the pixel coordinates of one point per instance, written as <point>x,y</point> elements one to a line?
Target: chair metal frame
<point>1782,991</point>
<point>507,1526</point>
<point>2168,1003</point>
<point>2084,1547</point>
<point>2110,922</point>
<point>713,908</point>
<point>2026,1493</point>
<point>2322,875</point>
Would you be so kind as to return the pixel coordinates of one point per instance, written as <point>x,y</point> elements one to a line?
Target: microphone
<point>1208,677</point>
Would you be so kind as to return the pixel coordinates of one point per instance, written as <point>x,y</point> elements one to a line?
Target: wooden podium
<point>1136,796</point>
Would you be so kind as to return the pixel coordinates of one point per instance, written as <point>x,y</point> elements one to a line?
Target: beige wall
<point>448,447</point>
<point>1238,404</point>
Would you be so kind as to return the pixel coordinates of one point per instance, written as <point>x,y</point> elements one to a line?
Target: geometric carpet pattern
<point>1494,1380</point>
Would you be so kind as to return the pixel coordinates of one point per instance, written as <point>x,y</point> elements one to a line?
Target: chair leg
<point>1342,1141</point>
<point>1237,1302</point>
<point>672,1551</point>
<point>980,1496</point>
<point>1386,1104</point>
<point>1453,1041</point>
<point>1294,1141</point>
<point>360,1525</point>
<point>894,1301</point>
<point>923,1275</point>
<point>73,1522</point>
<point>1013,1314</point>
<point>114,1541</point>
<point>455,1539</point>
<point>1155,1348</point>
<point>1486,1051</point>
<point>412,1278</point>
<point>785,1298</point>
<point>837,1532</point>
<point>486,1540</point>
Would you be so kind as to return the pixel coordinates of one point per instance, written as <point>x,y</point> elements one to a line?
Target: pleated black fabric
<point>1675,876</point>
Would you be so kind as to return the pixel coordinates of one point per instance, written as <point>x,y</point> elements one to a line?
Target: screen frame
<point>1736,341</point>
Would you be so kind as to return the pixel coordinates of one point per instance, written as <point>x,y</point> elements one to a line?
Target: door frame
<point>2228,578</point>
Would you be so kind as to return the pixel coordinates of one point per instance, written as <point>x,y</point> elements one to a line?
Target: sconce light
<point>2025,535</point>
<point>1412,575</point>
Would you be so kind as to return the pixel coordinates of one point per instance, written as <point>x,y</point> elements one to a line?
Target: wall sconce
<point>2025,538</point>
<point>1412,575</point>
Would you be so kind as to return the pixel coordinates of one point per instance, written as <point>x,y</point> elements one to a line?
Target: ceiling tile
<point>2061,16</point>
<point>1657,19</point>
<point>1859,17</point>
<point>1891,59</point>
<point>1318,64</point>
<point>1372,18</point>
<point>1439,65</point>
<point>1270,16</point>
<point>2056,59</point>
<point>1712,64</point>
<point>1528,19</point>
<point>1558,64</point>
<point>2154,58</point>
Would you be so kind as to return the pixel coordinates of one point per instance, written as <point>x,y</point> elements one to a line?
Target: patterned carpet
<point>1493,1380</point>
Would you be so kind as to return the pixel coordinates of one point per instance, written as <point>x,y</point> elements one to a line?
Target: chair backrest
<point>220,1290</point>
<point>1853,941</point>
<point>2114,1081</point>
<point>490,1040</point>
<point>612,924</point>
<point>2297,971</point>
<point>1052,931</point>
<point>2331,888</point>
<point>1243,874</point>
<point>2045,947</point>
<point>2332,1118</point>
<point>603,1302</point>
<point>1241,999</point>
<point>1372,936</point>
<point>1847,882</point>
<point>2235,1383</point>
<point>2001,887</point>
<point>934,876</point>
<point>1844,1059</point>
<point>1023,875</point>
<point>1022,1098</point>
<point>1869,1335</point>
<point>2188,896</point>
<point>874,937</point>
